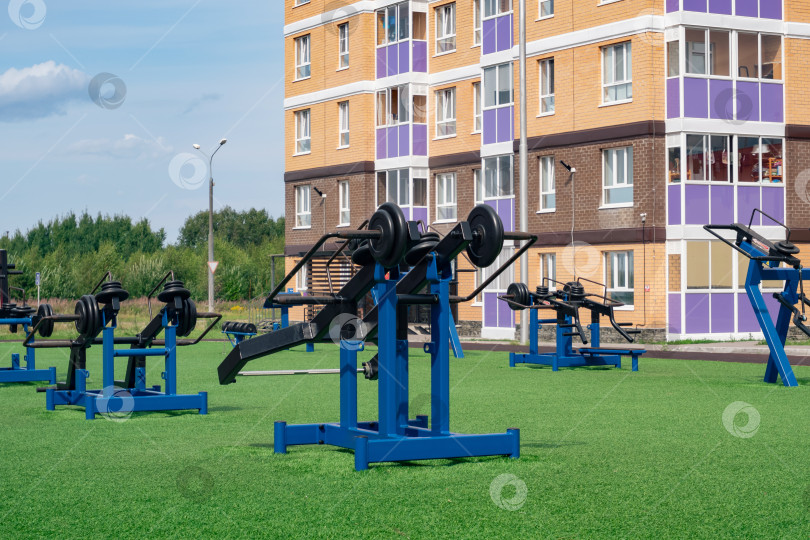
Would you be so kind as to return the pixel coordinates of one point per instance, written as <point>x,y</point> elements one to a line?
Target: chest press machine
<point>393,436</point>
<point>566,302</point>
<point>14,317</point>
<point>771,261</point>
<point>96,314</point>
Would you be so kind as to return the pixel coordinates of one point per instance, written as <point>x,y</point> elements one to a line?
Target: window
<point>478,118</point>
<point>675,164</point>
<point>673,58</point>
<point>498,85</point>
<point>716,157</point>
<point>302,61</point>
<point>707,52</point>
<point>707,158</point>
<point>394,186</point>
<point>502,282</point>
<point>393,24</point>
<point>548,270</point>
<point>302,136</point>
<point>343,194</point>
<point>617,70</point>
<point>446,197</point>
<point>343,45</point>
<point>446,112</point>
<point>547,86</point>
<point>301,278</point>
<point>498,181</point>
<point>760,160</point>
<point>343,124</point>
<point>301,2</point>
<point>548,198</point>
<point>546,8</point>
<point>619,276</point>
<point>478,186</point>
<point>476,22</point>
<point>617,176</point>
<point>709,265</point>
<point>446,28</point>
<point>303,216</point>
<point>392,106</point>
<point>759,56</point>
<point>496,7</point>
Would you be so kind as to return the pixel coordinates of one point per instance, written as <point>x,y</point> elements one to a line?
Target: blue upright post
<point>108,357</point>
<point>171,359</point>
<point>439,353</point>
<point>348,383</point>
<point>387,352</point>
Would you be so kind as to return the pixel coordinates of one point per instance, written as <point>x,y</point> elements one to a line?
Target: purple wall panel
<point>673,98</point>
<point>722,313</point>
<point>748,101</point>
<point>697,205</point>
<point>490,36</point>
<point>770,9</point>
<point>746,320</point>
<point>675,313</point>
<point>673,5</point>
<point>420,139</point>
<point>404,57</point>
<point>381,144</point>
<point>722,204</point>
<point>420,213</point>
<point>504,33</point>
<point>773,102</point>
<point>505,117</point>
<point>404,140</point>
<point>506,316</point>
<point>393,147</point>
<point>697,313</point>
<point>696,98</point>
<point>407,212</point>
<point>748,8</point>
<point>506,211</point>
<point>493,204</point>
<point>490,126</point>
<point>721,99</point>
<point>722,7</point>
<point>420,56</point>
<point>391,59</point>
<point>674,205</point>
<point>747,200</point>
<point>694,5</point>
<point>773,204</point>
<point>491,309</point>
<point>381,69</point>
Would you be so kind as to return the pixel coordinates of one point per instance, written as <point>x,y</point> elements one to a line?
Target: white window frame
<point>446,198</point>
<point>547,96</point>
<point>403,102</point>
<point>343,125</point>
<point>446,113</point>
<point>548,269</point>
<point>617,182</point>
<point>343,46</point>
<point>618,278</point>
<point>494,191</point>
<point>497,71</point>
<point>303,208</point>
<point>478,185</point>
<point>610,75</point>
<point>303,57</point>
<point>496,8</point>
<point>398,18</point>
<point>303,132</point>
<point>478,31</point>
<point>549,4</point>
<point>446,29</point>
<point>547,184</point>
<point>478,112</point>
<point>300,2</point>
<point>344,201</point>
<point>301,278</point>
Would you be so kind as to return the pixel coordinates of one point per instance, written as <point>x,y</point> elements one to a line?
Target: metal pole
<point>211,233</point>
<point>524,164</point>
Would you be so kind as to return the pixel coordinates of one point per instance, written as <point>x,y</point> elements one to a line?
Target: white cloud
<point>129,147</point>
<point>40,90</point>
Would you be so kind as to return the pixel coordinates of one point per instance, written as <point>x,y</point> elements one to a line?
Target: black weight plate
<point>488,234</point>
<point>110,290</point>
<point>227,326</point>
<point>362,255</point>
<point>188,318</point>
<point>250,328</point>
<point>418,252</point>
<point>390,248</point>
<point>519,294</point>
<point>172,289</point>
<point>81,310</point>
<point>786,248</point>
<point>46,328</point>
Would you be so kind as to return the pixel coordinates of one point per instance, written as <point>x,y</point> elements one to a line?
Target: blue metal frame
<point>138,398</point>
<point>395,437</point>
<point>17,373</point>
<point>565,355</point>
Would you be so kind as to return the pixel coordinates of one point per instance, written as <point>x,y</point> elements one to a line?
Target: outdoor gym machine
<point>97,313</point>
<point>765,258</point>
<point>566,303</point>
<point>394,436</point>
<point>15,316</point>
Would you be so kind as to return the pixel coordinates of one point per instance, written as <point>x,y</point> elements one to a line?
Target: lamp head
<point>196,146</point>
<point>223,141</point>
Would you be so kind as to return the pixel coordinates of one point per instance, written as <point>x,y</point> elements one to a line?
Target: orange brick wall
<point>466,53</point>
<point>797,11</point>
<point>465,140</point>
<point>797,80</point>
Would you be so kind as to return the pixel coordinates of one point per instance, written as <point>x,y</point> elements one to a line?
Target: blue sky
<point>178,72</point>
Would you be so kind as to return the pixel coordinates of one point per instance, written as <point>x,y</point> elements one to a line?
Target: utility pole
<point>524,165</point>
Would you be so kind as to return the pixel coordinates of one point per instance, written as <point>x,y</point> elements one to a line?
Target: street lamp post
<point>211,220</point>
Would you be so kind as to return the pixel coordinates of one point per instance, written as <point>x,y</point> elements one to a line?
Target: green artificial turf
<point>604,453</point>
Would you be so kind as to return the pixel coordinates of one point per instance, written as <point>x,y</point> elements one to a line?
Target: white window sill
<point>623,308</point>
<point>607,2</point>
<point>343,147</point>
<point>302,153</point>
<point>303,79</point>
<point>342,68</point>
<point>546,211</point>
<point>444,137</point>
<point>342,225</point>
<point>547,17</point>
<point>301,4</point>
<point>613,103</point>
<point>302,228</point>
<point>477,132</point>
<point>443,53</point>
<point>543,115</point>
<point>475,46</point>
<point>619,205</point>
<point>477,304</point>
<point>441,221</point>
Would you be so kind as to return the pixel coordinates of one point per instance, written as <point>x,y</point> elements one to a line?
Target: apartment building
<point>674,114</point>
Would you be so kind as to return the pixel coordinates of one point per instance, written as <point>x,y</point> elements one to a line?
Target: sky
<point>100,103</point>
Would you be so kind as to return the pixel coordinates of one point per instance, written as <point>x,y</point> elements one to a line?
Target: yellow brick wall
<point>466,53</point>
<point>797,80</point>
<point>465,140</point>
<point>583,14</point>
<point>797,11</point>
<point>324,133</point>
<point>293,13</point>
